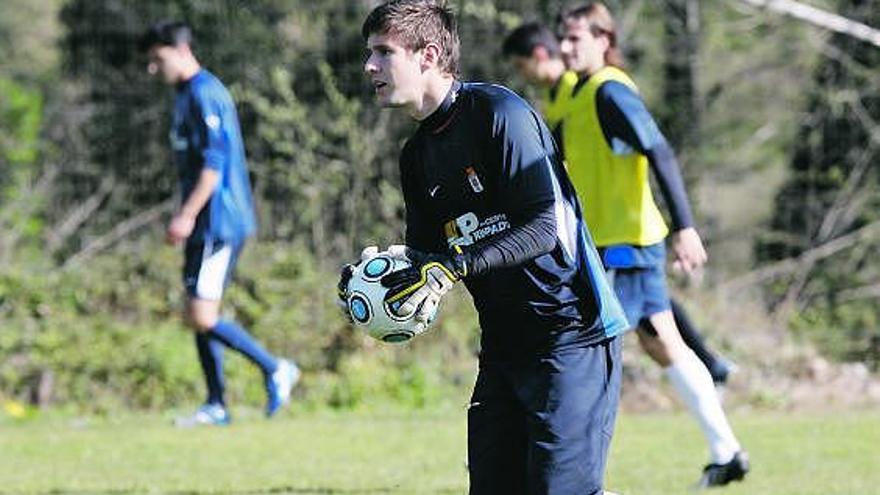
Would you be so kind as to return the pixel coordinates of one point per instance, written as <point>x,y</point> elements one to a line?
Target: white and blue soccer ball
<point>366,301</point>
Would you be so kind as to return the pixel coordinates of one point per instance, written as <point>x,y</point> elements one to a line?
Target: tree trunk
<point>681,120</point>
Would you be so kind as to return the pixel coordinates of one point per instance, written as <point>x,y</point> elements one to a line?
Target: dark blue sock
<point>211,358</point>
<point>235,337</point>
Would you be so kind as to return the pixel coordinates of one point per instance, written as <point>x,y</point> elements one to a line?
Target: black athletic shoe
<point>722,474</point>
<point>721,370</point>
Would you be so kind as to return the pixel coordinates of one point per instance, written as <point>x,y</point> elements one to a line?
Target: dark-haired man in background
<point>215,218</point>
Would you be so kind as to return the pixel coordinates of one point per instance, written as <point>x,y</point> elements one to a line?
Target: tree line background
<point>775,123</point>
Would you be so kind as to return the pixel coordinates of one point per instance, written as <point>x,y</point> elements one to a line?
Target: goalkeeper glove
<point>420,287</point>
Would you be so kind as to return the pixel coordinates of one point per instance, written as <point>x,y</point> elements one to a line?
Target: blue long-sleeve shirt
<point>205,133</point>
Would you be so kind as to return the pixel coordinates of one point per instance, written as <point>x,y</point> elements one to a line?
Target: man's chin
<point>576,68</point>
<point>386,102</point>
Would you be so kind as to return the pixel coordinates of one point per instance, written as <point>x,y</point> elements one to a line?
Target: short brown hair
<point>415,23</point>
<point>601,22</point>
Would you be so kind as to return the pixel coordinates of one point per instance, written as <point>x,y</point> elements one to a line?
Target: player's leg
<point>661,338</point>
<point>572,397</point>
<point>206,287</point>
<point>694,385</point>
<point>497,436</point>
<point>209,351</point>
<point>643,294</point>
<point>210,354</point>
<point>718,367</point>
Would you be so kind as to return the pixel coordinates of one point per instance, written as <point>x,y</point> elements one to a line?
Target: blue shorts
<point>544,426</point>
<point>638,275</point>
<point>208,267</point>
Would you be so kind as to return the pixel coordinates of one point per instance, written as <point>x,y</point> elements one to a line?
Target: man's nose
<point>370,66</point>
<point>565,47</point>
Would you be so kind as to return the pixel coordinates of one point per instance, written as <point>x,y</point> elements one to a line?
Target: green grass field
<point>418,453</point>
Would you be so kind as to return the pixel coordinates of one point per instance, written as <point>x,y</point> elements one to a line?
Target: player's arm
<point>184,221</point>
<point>433,274</point>
<point>533,235</point>
<point>519,146</point>
<point>628,126</point>
<point>209,119</point>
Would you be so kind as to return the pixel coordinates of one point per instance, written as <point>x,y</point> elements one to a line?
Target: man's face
<point>167,62</point>
<point>395,71</point>
<point>582,51</point>
<point>529,68</point>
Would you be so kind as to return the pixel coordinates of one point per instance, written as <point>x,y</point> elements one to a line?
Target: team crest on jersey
<point>474,179</point>
<point>212,121</point>
<point>468,228</point>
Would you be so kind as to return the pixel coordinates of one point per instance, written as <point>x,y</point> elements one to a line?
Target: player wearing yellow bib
<point>533,50</point>
<point>611,145</point>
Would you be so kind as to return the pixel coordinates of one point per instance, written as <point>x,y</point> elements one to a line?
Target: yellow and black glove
<point>419,288</point>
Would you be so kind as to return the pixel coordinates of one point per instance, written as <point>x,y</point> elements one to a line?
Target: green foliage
<point>84,125</point>
<point>20,114</point>
<point>833,190</point>
<point>106,335</point>
<point>324,169</point>
<point>28,36</point>
<point>21,122</point>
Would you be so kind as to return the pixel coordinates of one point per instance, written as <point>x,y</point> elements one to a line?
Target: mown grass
<point>421,452</point>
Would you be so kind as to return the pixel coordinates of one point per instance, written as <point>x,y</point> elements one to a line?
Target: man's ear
<point>430,56</point>
<point>606,42</point>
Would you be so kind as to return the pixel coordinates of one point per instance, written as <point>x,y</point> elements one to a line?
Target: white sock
<point>694,385</point>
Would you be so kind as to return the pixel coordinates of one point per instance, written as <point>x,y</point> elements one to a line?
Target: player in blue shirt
<point>488,203</point>
<point>215,218</point>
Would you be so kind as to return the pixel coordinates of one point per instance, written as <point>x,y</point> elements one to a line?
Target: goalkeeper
<point>488,203</point>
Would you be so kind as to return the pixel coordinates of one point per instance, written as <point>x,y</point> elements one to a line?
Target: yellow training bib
<point>614,190</point>
<point>555,103</point>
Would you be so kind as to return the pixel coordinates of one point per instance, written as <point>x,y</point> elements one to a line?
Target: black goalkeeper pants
<point>544,427</point>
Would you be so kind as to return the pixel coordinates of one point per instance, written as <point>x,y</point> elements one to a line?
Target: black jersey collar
<point>441,118</point>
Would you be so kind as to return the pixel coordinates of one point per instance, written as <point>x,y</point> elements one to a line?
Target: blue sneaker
<point>206,415</point>
<point>279,385</point>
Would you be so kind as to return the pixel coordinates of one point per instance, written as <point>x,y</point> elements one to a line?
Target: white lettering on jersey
<point>468,229</point>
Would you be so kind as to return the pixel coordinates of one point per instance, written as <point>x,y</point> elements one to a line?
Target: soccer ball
<point>367,306</point>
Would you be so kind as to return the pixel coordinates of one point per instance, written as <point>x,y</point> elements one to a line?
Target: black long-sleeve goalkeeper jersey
<point>482,172</point>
